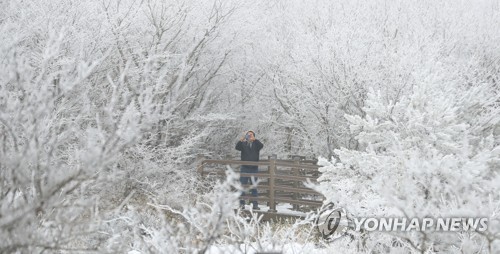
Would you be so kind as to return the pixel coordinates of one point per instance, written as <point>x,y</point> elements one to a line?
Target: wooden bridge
<point>280,182</point>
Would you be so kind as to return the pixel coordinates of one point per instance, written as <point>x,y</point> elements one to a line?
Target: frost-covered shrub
<point>424,155</point>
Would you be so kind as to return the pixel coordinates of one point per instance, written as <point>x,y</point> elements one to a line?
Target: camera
<point>247,137</point>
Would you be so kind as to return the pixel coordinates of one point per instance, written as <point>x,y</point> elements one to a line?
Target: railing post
<point>228,157</point>
<point>295,172</point>
<point>199,163</point>
<point>272,174</point>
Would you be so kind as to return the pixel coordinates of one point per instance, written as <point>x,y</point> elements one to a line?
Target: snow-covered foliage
<point>94,100</point>
<point>105,104</point>
<point>329,54</point>
<point>426,155</point>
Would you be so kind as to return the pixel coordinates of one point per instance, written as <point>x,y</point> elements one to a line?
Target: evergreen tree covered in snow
<point>432,153</point>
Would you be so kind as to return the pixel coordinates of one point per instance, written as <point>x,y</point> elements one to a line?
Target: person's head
<point>250,135</point>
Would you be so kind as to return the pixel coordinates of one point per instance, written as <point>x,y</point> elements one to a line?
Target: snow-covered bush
<point>95,97</point>
<point>432,153</point>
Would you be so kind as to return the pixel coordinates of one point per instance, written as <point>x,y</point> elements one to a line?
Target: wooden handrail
<point>301,166</point>
<point>295,189</point>
<point>283,188</point>
<point>266,175</point>
<point>261,163</point>
<point>237,162</point>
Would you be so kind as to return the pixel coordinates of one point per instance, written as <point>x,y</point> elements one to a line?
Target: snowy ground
<point>253,248</point>
<point>285,209</point>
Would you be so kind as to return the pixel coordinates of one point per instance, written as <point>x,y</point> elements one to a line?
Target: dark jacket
<point>249,153</point>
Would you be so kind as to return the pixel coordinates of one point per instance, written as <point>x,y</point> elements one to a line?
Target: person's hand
<point>242,139</point>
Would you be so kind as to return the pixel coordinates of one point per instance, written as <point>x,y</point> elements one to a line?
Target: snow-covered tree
<point>433,153</point>
<point>95,98</point>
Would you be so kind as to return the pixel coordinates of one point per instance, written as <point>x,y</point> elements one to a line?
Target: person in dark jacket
<point>250,149</point>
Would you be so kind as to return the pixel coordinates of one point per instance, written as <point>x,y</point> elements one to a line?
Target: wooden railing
<point>285,180</point>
